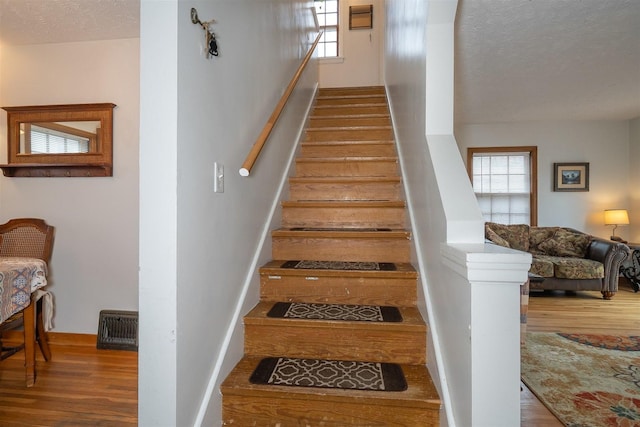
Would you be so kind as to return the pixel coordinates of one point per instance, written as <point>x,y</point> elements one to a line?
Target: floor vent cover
<point>118,330</point>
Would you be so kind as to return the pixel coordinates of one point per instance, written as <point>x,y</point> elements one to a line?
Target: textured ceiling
<point>62,21</point>
<point>516,60</point>
<point>547,60</point>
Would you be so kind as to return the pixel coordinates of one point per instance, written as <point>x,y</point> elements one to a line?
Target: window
<point>44,140</point>
<point>504,180</point>
<point>327,12</point>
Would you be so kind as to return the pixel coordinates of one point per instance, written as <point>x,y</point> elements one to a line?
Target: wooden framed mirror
<point>73,140</point>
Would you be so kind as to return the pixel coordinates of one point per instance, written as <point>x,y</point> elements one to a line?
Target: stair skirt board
<point>344,312</point>
<point>339,265</point>
<point>340,374</point>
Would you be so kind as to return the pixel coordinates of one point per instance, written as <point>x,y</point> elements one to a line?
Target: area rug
<point>329,374</point>
<point>339,265</point>
<point>344,312</point>
<point>585,380</point>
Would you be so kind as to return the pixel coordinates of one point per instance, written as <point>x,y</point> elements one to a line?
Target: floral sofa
<point>564,258</point>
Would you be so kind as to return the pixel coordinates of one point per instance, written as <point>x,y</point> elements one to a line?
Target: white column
<point>495,275</point>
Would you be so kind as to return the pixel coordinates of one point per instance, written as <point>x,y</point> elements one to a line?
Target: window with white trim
<point>327,13</point>
<point>504,181</point>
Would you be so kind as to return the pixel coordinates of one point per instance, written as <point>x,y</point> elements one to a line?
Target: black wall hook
<point>210,37</point>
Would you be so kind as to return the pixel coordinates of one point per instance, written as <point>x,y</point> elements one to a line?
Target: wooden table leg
<point>29,344</point>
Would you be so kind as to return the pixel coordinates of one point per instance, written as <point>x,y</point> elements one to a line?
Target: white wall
<point>634,181</point>
<point>95,256</point>
<point>359,61</point>
<point>462,279</point>
<point>603,144</point>
<point>198,277</point>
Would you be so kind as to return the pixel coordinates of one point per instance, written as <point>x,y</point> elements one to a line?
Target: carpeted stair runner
<point>345,312</point>
<point>329,374</point>
<point>340,265</point>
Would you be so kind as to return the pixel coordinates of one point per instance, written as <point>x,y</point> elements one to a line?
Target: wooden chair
<point>31,238</point>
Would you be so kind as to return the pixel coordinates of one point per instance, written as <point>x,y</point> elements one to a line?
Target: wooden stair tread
<point>338,233</point>
<point>343,179</point>
<point>348,147</point>
<point>373,287</point>
<point>353,116</point>
<point>273,267</point>
<point>349,142</point>
<point>411,319</point>
<point>346,159</point>
<point>351,90</point>
<point>358,103</point>
<point>360,129</point>
<point>348,134</point>
<point>339,128</point>
<point>355,97</point>
<point>326,95</point>
<point>420,392</point>
<point>343,203</point>
<point>353,109</point>
<point>331,122</point>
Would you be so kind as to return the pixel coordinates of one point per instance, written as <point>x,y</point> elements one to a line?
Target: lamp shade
<point>616,217</point>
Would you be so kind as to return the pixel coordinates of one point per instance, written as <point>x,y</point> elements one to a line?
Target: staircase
<point>345,207</point>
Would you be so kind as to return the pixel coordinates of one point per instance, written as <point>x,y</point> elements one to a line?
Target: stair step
<point>355,133</point>
<point>341,312</point>
<point>345,188</point>
<point>347,166</point>
<point>374,287</point>
<point>354,100</point>
<point>392,342</point>
<point>342,249</point>
<point>334,110</point>
<point>348,91</point>
<point>246,404</point>
<point>354,214</point>
<point>348,149</point>
<point>349,121</point>
<point>341,245</point>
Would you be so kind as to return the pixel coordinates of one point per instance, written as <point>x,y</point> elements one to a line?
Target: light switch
<point>218,182</point>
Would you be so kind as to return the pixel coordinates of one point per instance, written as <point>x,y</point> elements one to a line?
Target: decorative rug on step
<point>329,374</point>
<point>345,312</point>
<point>585,380</point>
<point>340,265</point>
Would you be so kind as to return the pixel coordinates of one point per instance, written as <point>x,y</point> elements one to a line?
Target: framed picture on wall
<point>571,177</point>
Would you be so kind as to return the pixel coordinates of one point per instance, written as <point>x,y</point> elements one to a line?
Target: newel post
<point>495,275</point>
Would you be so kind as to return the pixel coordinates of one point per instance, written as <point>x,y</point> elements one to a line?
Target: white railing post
<point>494,275</point>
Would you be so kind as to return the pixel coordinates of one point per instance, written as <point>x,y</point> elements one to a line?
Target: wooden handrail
<point>266,131</point>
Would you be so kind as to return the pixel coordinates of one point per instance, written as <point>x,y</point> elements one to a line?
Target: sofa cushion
<point>517,235</point>
<point>566,243</point>
<point>542,265</point>
<point>538,235</point>
<point>493,236</point>
<point>577,268</point>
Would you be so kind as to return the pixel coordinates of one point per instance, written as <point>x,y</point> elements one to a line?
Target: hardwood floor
<point>83,386</point>
<point>584,312</point>
<point>80,386</point>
